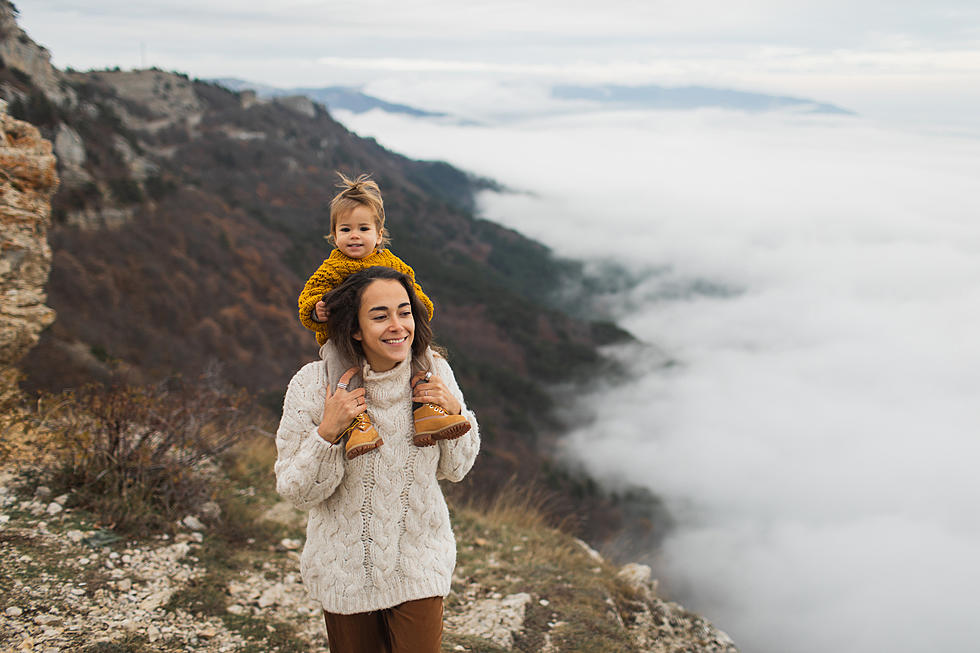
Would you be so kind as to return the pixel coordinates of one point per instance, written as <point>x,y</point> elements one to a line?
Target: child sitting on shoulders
<point>357,229</point>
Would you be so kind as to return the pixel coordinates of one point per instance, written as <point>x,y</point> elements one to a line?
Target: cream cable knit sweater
<point>378,532</point>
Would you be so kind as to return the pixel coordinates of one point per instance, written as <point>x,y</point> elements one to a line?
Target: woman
<point>380,551</point>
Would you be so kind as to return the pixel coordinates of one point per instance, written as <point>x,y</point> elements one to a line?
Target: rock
<point>284,513</point>
<point>17,50</point>
<point>124,585</point>
<point>290,545</point>
<point>42,492</point>
<point>13,611</point>
<point>75,536</point>
<point>272,596</point>
<point>298,103</point>
<point>26,187</point>
<point>210,510</point>
<point>595,555</point>
<point>638,578</point>
<point>152,633</point>
<point>155,600</point>
<point>494,619</point>
<point>237,610</point>
<point>193,523</point>
<point>47,619</point>
<point>54,508</point>
<point>61,499</point>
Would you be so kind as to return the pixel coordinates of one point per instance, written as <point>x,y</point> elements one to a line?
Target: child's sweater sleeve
<point>323,280</point>
<point>456,457</point>
<point>308,468</point>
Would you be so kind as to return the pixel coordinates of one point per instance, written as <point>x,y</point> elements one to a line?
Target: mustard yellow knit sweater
<point>332,273</point>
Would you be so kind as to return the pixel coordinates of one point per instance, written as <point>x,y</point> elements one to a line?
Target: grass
<point>508,547</point>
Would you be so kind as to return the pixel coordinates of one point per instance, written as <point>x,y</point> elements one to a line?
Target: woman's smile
<point>386,324</point>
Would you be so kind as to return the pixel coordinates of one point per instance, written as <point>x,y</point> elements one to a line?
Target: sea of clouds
<point>817,281</point>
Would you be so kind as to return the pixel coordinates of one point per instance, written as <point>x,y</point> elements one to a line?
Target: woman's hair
<point>362,191</point>
<point>344,304</point>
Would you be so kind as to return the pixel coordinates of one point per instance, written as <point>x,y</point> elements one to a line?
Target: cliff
<point>27,182</point>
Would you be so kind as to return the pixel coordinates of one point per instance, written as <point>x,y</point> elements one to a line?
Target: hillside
<point>226,578</point>
<point>189,216</point>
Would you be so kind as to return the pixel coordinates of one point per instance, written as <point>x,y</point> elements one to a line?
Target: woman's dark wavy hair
<point>344,303</point>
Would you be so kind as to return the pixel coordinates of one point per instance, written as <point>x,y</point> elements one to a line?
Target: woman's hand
<point>434,391</point>
<point>340,408</point>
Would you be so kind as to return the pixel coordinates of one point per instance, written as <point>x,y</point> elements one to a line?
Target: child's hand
<point>320,311</point>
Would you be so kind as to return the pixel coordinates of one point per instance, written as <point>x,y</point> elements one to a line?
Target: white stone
<point>61,499</point>
<point>272,596</point>
<point>193,523</point>
<point>13,611</point>
<point>209,510</point>
<point>75,536</point>
<point>637,577</point>
<point>155,600</point>
<point>595,555</point>
<point>237,609</point>
<point>54,508</point>
<point>493,619</point>
<point>42,492</point>
<point>290,545</point>
<point>47,619</point>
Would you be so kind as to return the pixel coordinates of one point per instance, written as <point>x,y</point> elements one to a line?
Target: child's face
<point>356,234</point>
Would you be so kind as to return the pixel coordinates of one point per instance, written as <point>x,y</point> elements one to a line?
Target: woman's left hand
<point>434,391</point>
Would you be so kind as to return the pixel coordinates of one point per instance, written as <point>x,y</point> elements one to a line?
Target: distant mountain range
<point>689,97</point>
<point>608,96</point>
<point>333,97</point>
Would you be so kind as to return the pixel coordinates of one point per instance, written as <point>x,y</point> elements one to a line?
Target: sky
<point>916,61</point>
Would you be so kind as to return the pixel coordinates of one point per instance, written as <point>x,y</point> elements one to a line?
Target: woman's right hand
<point>340,408</point>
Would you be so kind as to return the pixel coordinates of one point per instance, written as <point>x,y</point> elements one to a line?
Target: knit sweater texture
<point>378,532</point>
<point>332,272</point>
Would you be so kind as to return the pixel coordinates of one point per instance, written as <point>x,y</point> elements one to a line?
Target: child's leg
<point>432,423</point>
<point>361,436</point>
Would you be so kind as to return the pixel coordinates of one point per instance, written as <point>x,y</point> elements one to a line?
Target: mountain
<point>689,97</point>
<point>189,217</point>
<point>333,97</point>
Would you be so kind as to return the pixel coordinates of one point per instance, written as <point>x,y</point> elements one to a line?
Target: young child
<point>357,228</point>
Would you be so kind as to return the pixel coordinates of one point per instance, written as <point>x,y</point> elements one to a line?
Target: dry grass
<point>140,457</point>
<point>507,546</point>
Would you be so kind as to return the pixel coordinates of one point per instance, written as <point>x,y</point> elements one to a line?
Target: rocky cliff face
<point>19,52</point>
<point>27,182</point>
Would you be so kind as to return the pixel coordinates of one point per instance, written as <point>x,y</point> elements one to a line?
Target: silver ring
<point>428,375</point>
<point>342,385</point>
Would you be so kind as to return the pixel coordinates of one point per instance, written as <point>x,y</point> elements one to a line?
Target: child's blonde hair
<point>362,191</point>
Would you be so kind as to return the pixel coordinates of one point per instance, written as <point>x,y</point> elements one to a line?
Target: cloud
<point>816,440</point>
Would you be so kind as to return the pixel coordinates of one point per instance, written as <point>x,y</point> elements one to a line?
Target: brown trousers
<point>410,627</point>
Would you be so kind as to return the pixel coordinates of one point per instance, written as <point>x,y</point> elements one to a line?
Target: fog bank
<point>817,281</point>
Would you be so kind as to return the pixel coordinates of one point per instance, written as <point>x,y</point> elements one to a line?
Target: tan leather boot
<point>362,437</point>
<point>432,424</point>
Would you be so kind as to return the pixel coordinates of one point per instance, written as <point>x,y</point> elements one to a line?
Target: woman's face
<point>386,324</point>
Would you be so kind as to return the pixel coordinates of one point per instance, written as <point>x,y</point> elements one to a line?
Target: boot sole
<point>354,452</point>
<point>448,433</point>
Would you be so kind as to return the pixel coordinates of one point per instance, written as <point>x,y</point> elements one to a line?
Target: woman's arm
<point>308,468</point>
<point>456,457</point>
